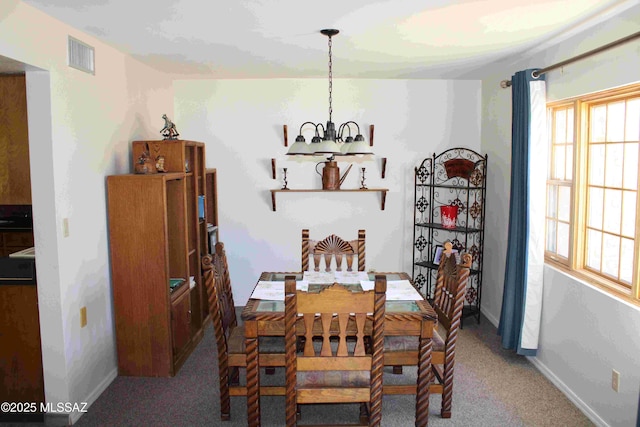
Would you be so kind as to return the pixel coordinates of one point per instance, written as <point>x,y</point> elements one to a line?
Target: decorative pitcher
<point>331,179</point>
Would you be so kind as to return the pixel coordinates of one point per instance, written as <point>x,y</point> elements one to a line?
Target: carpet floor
<point>492,387</point>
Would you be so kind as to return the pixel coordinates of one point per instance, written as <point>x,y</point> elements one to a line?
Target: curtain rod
<point>507,83</point>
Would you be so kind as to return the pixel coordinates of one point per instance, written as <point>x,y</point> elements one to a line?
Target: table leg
<point>424,380</point>
<point>253,371</point>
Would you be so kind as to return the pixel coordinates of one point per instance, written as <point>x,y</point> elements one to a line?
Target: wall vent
<point>81,56</point>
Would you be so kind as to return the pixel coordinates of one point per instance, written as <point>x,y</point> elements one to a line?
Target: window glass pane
<point>630,179</point>
<point>569,169</point>
<point>613,172</point>
<point>610,254</point>
<point>564,203</point>
<point>561,126</point>
<point>613,207</point>
<point>551,235</point>
<point>596,164</point>
<point>615,121</point>
<point>598,121</point>
<point>551,201</point>
<point>595,203</point>
<point>558,162</point>
<point>563,239</point>
<point>608,219</point>
<point>633,120</point>
<point>570,125</point>
<point>629,214</point>
<point>626,260</point>
<point>594,243</point>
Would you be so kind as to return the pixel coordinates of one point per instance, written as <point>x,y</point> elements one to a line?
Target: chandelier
<point>326,139</point>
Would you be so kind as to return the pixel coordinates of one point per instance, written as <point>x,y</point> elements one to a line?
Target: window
<point>592,188</point>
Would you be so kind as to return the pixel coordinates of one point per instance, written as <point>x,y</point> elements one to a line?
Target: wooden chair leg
<point>447,391</point>
<point>225,399</point>
<point>397,370</point>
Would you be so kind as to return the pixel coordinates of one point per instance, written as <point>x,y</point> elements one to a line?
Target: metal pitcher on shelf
<point>331,179</point>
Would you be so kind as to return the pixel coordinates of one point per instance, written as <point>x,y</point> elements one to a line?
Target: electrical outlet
<point>65,227</point>
<point>615,380</point>
<point>83,317</point>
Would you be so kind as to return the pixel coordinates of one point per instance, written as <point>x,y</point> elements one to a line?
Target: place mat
<point>316,277</point>
<point>350,277</point>
<point>397,290</point>
<point>326,277</point>
<point>274,290</point>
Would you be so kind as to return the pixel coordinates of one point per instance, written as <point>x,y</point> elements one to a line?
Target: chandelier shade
<point>326,140</point>
<point>300,148</point>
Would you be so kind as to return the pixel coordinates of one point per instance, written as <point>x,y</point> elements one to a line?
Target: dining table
<point>407,313</point>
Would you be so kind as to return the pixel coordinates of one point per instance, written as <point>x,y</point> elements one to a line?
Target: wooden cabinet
<point>15,178</point>
<point>181,328</point>
<point>21,375</point>
<point>156,243</point>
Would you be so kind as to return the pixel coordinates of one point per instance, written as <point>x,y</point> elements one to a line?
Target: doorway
<point>41,157</point>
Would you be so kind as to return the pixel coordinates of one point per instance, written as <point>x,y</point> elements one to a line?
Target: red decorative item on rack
<point>459,168</point>
<point>449,215</point>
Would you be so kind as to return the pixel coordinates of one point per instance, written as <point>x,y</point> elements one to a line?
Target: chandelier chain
<point>330,80</point>
<point>329,139</point>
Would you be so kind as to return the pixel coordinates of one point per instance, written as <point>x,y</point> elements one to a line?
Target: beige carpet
<point>514,380</point>
<point>493,387</point>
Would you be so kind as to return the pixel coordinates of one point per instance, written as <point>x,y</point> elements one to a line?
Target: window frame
<point>574,264</point>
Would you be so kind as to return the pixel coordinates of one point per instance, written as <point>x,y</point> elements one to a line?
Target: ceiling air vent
<point>81,56</point>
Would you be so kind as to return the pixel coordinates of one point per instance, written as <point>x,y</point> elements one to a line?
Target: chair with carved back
<point>333,247</point>
<point>229,334</point>
<point>334,369</point>
<point>451,282</point>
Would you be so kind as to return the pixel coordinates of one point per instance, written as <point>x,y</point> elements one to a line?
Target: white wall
<point>80,128</point>
<point>585,332</point>
<point>241,123</point>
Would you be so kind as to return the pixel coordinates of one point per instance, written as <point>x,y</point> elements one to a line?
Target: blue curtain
<point>519,273</point>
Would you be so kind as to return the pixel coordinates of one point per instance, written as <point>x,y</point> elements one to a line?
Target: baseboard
<point>580,404</point>
<point>491,318</point>
<point>93,396</point>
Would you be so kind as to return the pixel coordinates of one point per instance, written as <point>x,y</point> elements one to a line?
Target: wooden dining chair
<point>333,369</point>
<point>451,282</point>
<point>230,337</point>
<point>333,247</point>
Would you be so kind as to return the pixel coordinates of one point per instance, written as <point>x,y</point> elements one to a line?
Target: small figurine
<point>142,164</point>
<point>169,130</point>
<point>160,164</point>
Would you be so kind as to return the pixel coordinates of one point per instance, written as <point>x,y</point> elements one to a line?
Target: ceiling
<point>281,38</point>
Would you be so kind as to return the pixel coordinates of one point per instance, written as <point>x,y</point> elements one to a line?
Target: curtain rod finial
<point>505,84</point>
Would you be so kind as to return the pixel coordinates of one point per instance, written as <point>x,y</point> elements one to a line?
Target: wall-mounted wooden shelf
<point>382,191</point>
